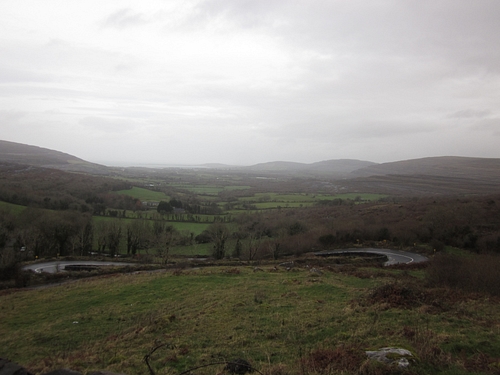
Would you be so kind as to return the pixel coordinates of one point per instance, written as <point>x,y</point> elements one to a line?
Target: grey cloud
<point>11,117</point>
<point>461,33</point>
<point>470,113</point>
<point>247,14</point>
<point>491,125</point>
<point>10,75</point>
<point>266,79</point>
<point>108,126</point>
<point>124,18</point>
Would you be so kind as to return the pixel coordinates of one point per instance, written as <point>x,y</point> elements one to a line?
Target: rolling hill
<point>432,175</point>
<point>18,153</point>
<point>445,166</point>
<point>340,168</point>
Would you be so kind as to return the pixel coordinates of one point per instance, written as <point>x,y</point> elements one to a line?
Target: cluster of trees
<point>471,223</point>
<point>195,208</point>
<point>40,233</point>
<point>59,190</point>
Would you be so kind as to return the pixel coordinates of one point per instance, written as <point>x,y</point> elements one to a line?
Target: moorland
<point>223,265</point>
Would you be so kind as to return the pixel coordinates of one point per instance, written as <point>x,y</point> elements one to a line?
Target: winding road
<point>56,266</point>
<point>394,256</point>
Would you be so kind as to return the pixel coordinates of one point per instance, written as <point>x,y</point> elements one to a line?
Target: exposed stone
<point>63,371</point>
<point>11,368</point>
<point>238,366</point>
<point>393,356</point>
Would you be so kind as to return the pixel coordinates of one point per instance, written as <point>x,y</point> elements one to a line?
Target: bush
<point>478,273</point>
<point>342,358</point>
<point>203,237</point>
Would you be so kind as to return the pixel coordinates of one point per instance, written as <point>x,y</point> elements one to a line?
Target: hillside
<point>432,175</point>
<point>445,166</point>
<point>11,152</point>
<point>334,168</point>
<point>436,175</point>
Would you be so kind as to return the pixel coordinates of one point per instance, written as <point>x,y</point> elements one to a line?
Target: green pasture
<point>270,317</point>
<point>208,189</point>
<point>265,201</point>
<point>183,227</point>
<point>269,205</point>
<point>204,249</point>
<point>195,228</point>
<point>154,215</point>
<point>310,198</point>
<point>145,194</point>
<point>13,208</point>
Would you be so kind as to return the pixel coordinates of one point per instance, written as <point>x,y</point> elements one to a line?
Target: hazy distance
<point>245,82</point>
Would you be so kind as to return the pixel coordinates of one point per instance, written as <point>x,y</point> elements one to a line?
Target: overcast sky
<point>249,81</point>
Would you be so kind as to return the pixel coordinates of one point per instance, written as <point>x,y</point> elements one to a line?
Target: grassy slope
<point>14,208</point>
<point>269,318</point>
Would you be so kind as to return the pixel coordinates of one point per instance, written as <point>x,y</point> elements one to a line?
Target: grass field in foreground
<point>270,318</point>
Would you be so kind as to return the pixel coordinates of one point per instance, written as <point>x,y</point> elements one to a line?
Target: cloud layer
<point>243,82</point>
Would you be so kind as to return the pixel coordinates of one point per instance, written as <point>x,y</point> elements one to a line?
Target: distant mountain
<point>341,165</point>
<point>217,166</point>
<point>11,152</point>
<point>335,168</point>
<point>277,166</point>
<point>434,170</point>
<point>445,175</point>
<point>444,166</point>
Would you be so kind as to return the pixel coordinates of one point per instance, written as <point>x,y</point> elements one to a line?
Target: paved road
<point>56,266</point>
<point>394,256</point>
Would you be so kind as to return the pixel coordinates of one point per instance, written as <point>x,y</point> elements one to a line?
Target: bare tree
<point>138,234</point>
<point>253,247</point>
<point>114,234</point>
<point>219,234</point>
<point>164,236</point>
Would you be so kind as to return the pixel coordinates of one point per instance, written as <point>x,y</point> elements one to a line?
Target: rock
<point>238,366</point>
<point>63,371</point>
<point>10,368</point>
<point>315,271</point>
<point>393,356</point>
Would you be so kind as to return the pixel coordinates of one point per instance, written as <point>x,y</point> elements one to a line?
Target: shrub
<point>342,358</point>
<point>478,273</point>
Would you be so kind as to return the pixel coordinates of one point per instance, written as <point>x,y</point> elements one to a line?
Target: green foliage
<point>164,207</point>
<point>477,273</point>
<point>144,194</point>
<point>219,234</point>
<point>13,208</point>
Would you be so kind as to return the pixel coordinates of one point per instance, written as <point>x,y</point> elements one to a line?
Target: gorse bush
<point>475,274</point>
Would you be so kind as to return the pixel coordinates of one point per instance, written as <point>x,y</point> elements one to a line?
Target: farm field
<point>14,208</point>
<point>202,189</point>
<point>145,194</point>
<point>277,320</point>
